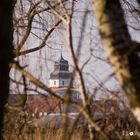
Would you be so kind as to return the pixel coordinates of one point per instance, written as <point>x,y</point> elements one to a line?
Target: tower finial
<point>61,52</point>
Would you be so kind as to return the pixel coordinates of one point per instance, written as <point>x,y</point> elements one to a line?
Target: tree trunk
<point>6,38</point>
<point>121,50</point>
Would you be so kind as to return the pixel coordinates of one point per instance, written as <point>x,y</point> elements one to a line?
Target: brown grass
<point>117,126</point>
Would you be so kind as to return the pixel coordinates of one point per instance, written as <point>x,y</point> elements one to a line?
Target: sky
<point>96,71</point>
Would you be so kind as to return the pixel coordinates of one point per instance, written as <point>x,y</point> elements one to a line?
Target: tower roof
<point>62,60</point>
<point>60,75</point>
<point>61,69</point>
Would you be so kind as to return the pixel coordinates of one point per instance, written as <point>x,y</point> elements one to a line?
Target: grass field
<point>116,126</point>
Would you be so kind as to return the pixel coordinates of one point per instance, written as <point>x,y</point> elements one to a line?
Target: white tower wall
<point>59,82</point>
<point>54,82</point>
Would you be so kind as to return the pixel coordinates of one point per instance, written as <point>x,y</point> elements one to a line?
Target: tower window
<point>62,82</point>
<point>54,82</point>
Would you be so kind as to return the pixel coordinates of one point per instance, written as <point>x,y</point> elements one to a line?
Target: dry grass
<point>45,134</point>
<point>117,126</point>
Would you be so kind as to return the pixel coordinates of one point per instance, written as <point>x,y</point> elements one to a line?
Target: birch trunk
<point>121,50</point>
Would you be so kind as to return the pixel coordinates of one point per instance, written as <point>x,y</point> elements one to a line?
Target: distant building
<point>61,78</point>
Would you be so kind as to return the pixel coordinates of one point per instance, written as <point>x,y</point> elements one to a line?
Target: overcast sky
<point>96,70</point>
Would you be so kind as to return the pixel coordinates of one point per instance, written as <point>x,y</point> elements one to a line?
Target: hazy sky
<point>96,70</point>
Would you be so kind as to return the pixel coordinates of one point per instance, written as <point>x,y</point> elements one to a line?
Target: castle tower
<point>60,77</point>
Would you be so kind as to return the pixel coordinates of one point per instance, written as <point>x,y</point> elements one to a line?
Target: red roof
<point>49,105</point>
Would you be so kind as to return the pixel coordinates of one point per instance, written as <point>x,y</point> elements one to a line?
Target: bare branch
<point>31,15</point>
<point>43,42</point>
<point>56,13</point>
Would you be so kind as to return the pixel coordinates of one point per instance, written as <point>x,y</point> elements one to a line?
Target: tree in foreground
<point>6,48</point>
<point>122,52</point>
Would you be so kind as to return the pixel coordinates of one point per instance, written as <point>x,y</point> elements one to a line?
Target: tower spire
<point>61,53</point>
